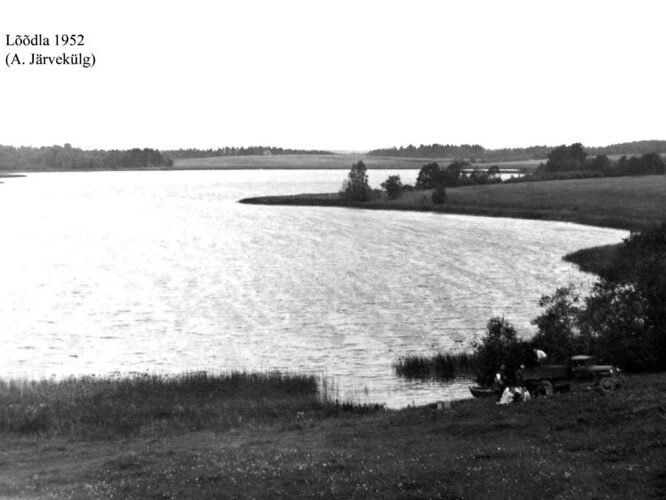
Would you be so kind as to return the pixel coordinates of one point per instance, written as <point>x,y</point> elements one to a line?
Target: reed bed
<point>111,407</point>
<point>438,367</point>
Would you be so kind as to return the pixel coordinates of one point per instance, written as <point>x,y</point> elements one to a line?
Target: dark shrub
<point>393,187</point>
<point>500,346</point>
<point>439,195</point>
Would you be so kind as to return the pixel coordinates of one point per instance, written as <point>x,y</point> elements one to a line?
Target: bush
<point>439,195</point>
<point>393,187</point>
<point>500,346</point>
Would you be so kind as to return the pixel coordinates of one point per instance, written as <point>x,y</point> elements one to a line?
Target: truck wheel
<point>547,388</point>
<point>606,385</point>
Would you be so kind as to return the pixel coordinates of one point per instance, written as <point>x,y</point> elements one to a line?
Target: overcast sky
<point>350,75</point>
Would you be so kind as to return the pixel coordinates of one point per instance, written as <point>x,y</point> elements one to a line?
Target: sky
<point>337,75</point>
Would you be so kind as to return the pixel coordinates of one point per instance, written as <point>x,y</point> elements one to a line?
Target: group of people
<point>513,391</point>
<point>510,392</point>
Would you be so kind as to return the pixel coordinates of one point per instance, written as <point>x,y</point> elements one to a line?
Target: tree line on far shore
<point>477,153</point>
<point>573,162</point>
<point>564,162</point>
<point>55,158</point>
<point>241,151</point>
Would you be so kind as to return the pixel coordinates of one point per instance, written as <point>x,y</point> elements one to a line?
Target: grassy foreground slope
<point>577,445</point>
<point>633,203</point>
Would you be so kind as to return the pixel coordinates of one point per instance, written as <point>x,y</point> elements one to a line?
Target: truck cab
<point>585,368</point>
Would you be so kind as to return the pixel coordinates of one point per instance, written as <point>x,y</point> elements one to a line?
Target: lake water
<point>166,272</point>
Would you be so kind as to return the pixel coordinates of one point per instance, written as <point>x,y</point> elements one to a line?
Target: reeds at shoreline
<point>112,407</point>
<point>437,367</point>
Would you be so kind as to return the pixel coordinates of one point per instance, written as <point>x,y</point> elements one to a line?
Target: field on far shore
<point>332,161</point>
<point>633,203</point>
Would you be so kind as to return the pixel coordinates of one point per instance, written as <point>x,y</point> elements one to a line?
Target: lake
<point>165,272</point>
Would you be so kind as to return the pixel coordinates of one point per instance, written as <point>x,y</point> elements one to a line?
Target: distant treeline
<point>55,158</point>
<point>249,151</point>
<point>573,162</point>
<point>475,152</point>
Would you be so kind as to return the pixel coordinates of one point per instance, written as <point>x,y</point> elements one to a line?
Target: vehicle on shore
<point>546,380</point>
<point>581,369</point>
<point>584,368</point>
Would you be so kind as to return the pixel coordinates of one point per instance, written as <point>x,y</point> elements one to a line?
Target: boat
<point>483,392</point>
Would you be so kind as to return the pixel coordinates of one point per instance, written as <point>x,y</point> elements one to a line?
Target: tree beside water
<point>393,187</point>
<point>356,187</point>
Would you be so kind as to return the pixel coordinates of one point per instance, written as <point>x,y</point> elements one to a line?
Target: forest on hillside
<point>58,158</point>
<point>477,153</point>
<point>240,151</point>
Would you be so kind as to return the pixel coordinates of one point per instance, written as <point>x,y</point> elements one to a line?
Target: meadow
<point>577,445</point>
<point>632,203</point>
<point>329,161</point>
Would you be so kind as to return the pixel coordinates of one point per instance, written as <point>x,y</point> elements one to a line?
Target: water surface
<point>166,272</point>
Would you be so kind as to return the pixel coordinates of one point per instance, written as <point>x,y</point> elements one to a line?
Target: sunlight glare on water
<point>166,272</point>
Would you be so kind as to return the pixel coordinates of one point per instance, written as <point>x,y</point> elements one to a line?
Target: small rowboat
<point>483,392</point>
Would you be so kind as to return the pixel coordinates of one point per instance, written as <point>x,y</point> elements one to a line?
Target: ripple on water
<point>165,271</point>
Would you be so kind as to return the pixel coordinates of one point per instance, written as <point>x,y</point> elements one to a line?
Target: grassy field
<point>332,161</point>
<point>577,445</point>
<point>633,203</point>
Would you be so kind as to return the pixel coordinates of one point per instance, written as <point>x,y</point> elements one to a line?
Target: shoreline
<point>588,259</point>
<point>264,442</point>
<point>327,200</point>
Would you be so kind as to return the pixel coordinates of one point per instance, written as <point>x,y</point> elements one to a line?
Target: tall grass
<point>145,403</point>
<point>437,367</point>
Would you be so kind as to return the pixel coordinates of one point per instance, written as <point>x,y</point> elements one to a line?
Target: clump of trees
<point>458,173</point>
<point>566,158</point>
<point>622,320</point>
<point>568,162</point>
<point>356,187</point>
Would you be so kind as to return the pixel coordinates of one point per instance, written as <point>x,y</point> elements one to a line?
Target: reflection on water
<point>164,271</point>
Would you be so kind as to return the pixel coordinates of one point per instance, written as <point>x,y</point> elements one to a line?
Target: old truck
<point>548,379</point>
<point>545,379</point>
<point>584,368</point>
